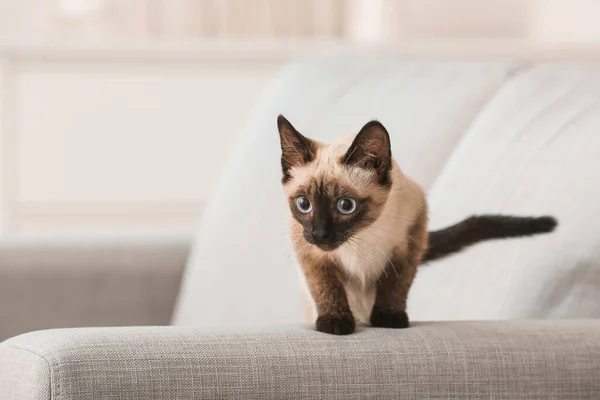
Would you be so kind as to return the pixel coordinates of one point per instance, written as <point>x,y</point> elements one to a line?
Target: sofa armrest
<point>100,282</point>
<point>537,359</point>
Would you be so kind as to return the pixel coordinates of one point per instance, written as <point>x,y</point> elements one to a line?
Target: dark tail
<point>478,228</point>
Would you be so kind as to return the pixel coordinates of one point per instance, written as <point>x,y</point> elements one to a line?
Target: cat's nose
<point>321,235</point>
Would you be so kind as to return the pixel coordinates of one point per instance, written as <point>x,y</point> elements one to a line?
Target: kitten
<point>359,227</point>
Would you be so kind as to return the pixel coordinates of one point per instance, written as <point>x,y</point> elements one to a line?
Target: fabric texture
<point>533,150</point>
<point>24,375</point>
<point>431,360</point>
<point>242,243</point>
<point>69,283</point>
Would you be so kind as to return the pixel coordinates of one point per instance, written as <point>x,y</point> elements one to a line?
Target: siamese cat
<point>359,227</point>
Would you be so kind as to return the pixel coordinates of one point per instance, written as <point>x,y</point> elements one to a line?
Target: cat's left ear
<point>371,150</point>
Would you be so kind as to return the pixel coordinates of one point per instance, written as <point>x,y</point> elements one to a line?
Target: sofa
<point>222,315</point>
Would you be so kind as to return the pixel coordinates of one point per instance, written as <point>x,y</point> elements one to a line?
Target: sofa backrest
<point>242,270</point>
<point>534,149</point>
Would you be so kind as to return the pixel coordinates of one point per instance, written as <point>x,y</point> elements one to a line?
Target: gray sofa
<point>438,360</point>
<point>135,282</point>
<point>480,136</point>
<point>62,283</point>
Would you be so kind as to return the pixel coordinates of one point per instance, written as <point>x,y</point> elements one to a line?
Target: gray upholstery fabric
<point>535,359</point>
<point>24,375</point>
<point>69,283</point>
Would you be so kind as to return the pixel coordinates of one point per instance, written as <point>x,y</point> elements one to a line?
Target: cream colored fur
<point>367,254</point>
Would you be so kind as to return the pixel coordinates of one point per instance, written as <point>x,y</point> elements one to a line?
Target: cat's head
<point>335,190</point>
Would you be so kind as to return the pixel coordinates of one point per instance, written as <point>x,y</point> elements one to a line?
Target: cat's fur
<point>360,266</point>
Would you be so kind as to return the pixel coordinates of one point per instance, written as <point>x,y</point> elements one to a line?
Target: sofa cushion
<point>534,150</point>
<point>482,360</point>
<point>241,270</point>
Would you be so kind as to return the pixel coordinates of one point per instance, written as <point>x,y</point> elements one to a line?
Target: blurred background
<point>116,117</point>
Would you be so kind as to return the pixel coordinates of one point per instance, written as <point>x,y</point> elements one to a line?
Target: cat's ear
<point>296,150</point>
<point>371,150</point>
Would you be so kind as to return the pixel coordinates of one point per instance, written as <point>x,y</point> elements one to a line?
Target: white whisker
<point>292,146</point>
<point>286,160</point>
<point>352,152</point>
<point>384,254</point>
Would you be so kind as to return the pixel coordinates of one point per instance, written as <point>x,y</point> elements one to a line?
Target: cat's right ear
<point>296,150</point>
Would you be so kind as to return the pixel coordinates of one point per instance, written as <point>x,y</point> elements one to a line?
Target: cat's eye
<point>303,204</point>
<point>346,205</point>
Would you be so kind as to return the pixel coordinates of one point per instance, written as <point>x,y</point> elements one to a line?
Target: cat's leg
<point>329,295</point>
<point>389,310</point>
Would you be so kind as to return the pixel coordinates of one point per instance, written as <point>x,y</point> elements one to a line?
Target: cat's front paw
<point>336,324</point>
<point>389,318</point>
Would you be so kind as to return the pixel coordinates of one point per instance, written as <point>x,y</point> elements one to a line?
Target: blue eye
<point>303,204</point>
<point>346,205</point>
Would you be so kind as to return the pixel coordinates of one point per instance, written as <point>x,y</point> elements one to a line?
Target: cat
<point>359,227</point>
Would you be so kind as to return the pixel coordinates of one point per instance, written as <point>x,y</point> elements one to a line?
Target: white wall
<point>127,141</point>
<point>359,20</point>
<point>125,133</point>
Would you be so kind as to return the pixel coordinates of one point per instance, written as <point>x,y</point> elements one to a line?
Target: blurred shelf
<point>281,50</point>
<point>219,49</point>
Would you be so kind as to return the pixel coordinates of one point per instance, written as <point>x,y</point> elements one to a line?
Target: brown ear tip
<point>374,128</point>
<point>374,124</point>
<point>281,120</point>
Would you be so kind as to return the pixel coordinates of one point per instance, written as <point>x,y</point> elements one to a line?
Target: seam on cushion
<point>48,363</point>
